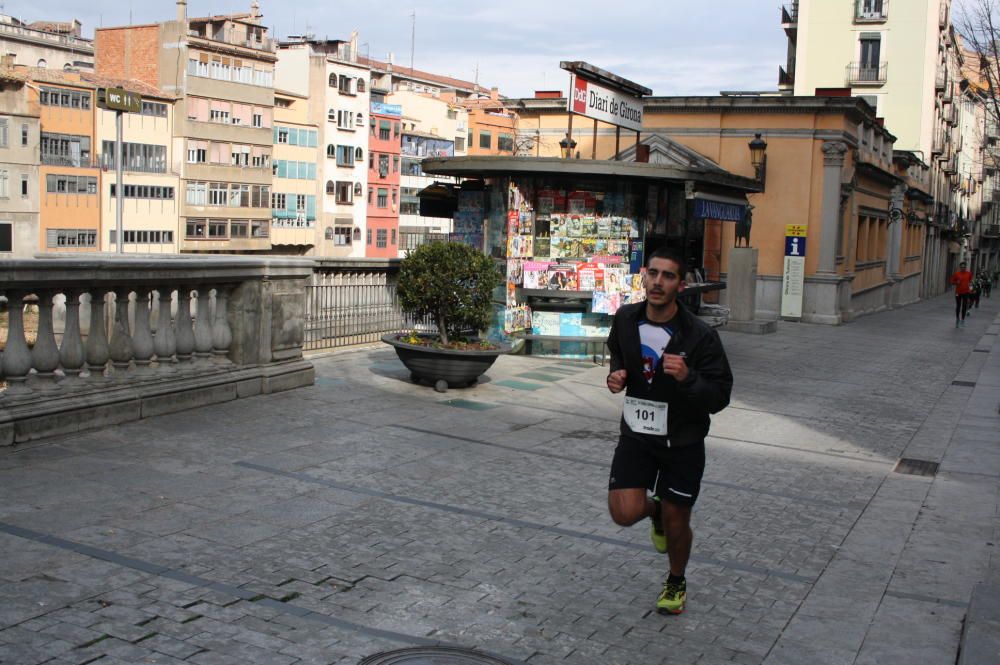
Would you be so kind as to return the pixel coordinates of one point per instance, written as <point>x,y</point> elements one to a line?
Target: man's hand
<point>675,366</point>
<point>616,380</point>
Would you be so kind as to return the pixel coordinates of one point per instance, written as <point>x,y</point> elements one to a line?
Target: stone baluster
<point>142,338</point>
<point>185,334</point>
<point>16,355</point>
<point>71,353</point>
<point>45,353</point>
<point>121,339</point>
<point>222,335</point>
<point>98,350</point>
<point>165,342</point>
<point>203,326</point>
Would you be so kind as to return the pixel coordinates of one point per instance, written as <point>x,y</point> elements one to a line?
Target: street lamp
<point>758,158</point>
<point>567,145</point>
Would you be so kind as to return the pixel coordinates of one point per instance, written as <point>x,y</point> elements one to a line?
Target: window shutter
<point>51,237</point>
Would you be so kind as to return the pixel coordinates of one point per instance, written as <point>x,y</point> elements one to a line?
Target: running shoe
<point>656,534</point>
<point>671,600</point>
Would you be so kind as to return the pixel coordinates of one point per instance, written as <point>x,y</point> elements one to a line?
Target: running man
<point>962,279</point>
<point>675,373</point>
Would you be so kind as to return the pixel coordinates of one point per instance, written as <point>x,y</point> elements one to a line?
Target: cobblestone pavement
<point>366,514</point>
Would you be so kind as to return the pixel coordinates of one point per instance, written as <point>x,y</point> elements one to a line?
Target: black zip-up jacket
<point>705,391</point>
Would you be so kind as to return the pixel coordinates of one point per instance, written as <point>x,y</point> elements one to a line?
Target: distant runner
<point>675,373</point>
<point>962,279</point>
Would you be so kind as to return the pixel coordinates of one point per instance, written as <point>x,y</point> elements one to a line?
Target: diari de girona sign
<point>596,101</point>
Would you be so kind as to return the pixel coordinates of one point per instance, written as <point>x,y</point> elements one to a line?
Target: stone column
<point>121,337</point>
<point>17,355</point>
<point>142,338</point>
<point>71,353</point>
<point>45,354</point>
<point>98,350</point>
<point>833,163</point>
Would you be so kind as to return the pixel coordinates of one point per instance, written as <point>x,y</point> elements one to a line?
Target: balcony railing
<point>786,77</point>
<point>138,336</point>
<point>862,73</point>
<point>790,13</point>
<point>991,230</point>
<point>943,13</point>
<point>871,11</point>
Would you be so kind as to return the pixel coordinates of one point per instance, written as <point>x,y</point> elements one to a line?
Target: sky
<point>674,47</point>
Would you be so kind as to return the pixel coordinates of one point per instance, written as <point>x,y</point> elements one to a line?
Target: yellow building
<point>294,195</point>
<point>151,207</point>
<point>830,165</point>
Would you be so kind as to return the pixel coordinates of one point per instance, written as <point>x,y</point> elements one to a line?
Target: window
<point>72,99</point>
<point>24,186</point>
<point>359,120</point>
<point>381,237</point>
<point>331,187</point>
<point>394,198</point>
<point>395,163</point>
<point>395,129</point>
<point>195,228</point>
<point>485,140</point>
<point>342,235</point>
<point>197,193</point>
<point>369,234</point>
<point>58,238</point>
<point>871,47</point>
<point>70,184</point>
<point>371,194</point>
<point>24,136</point>
<point>141,157</point>
<point>460,144</point>
<point>345,120</point>
<point>452,114</point>
<point>218,193</point>
<point>6,237</point>
<point>65,149</point>
<point>4,183</point>
<point>280,135</point>
<point>238,229</point>
<point>144,237</point>
<point>149,191</point>
<point>344,85</point>
<point>361,85</point>
<point>383,198</point>
<point>871,10</point>
<point>3,132</point>
<point>345,192</point>
<point>259,228</point>
<point>505,143</point>
<point>218,229</point>
<point>383,166</point>
<point>384,130</point>
<point>155,109</point>
<point>345,155</point>
<point>219,115</point>
<point>258,120</point>
<point>332,81</point>
<point>394,237</point>
<point>359,155</point>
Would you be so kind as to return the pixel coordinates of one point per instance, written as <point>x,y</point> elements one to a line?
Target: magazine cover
<point>605,303</point>
<point>526,224</point>
<point>542,248</point>
<point>560,276</point>
<point>545,323</point>
<point>604,227</point>
<point>575,226</point>
<point>511,294</point>
<point>535,274</point>
<point>557,225</point>
<point>515,271</point>
<point>516,319</point>
<point>589,226</point>
<point>591,276</point>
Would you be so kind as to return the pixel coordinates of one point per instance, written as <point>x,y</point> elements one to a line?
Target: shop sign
<point>596,101</point>
<point>118,99</point>
<point>793,277</point>
<point>726,212</point>
<point>386,109</point>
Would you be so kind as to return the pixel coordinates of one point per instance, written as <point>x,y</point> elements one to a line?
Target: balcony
<point>865,74</point>
<point>871,11</point>
<point>790,15</point>
<point>991,230</point>
<point>129,337</point>
<point>943,14</point>
<point>992,132</point>
<point>786,78</point>
<point>940,80</point>
<point>940,143</point>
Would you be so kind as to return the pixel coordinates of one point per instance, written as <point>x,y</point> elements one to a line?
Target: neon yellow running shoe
<point>656,534</point>
<point>671,600</point>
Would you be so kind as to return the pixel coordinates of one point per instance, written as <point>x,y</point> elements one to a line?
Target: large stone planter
<point>444,368</point>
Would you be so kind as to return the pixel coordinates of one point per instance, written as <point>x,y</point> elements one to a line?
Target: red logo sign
<point>579,95</point>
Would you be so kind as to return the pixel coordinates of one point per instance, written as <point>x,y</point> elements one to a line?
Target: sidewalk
<point>364,514</point>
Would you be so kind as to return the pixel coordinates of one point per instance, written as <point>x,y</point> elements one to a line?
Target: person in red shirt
<point>962,279</point>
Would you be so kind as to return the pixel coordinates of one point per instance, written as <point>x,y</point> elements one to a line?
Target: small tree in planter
<point>450,282</point>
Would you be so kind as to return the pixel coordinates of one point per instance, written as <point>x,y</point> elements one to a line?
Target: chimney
<point>495,94</point>
<point>388,59</point>
<point>182,11</point>
<point>255,11</point>
<point>354,46</point>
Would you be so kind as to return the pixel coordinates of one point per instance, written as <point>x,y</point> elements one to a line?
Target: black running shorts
<point>674,473</point>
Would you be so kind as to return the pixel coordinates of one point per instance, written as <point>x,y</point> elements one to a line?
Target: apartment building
<point>221,70</point>
<point>295,189</point>
<point>384,164</point>
<point>69,173</point>
<point>150,180</point>
<point>46,44</point>
<point>19,166</point>
<point>431,127</point>
<point>903,58</point>
<point>492,125</point>
<point>329,74</point>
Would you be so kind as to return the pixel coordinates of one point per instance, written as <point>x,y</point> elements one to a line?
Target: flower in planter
<point>451,282</point>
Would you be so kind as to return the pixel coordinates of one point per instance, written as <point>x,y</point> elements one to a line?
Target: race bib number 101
<point>645,416</point>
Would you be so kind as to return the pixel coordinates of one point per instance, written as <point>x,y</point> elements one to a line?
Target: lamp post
<point>758,158</point>
<point>567,145</point>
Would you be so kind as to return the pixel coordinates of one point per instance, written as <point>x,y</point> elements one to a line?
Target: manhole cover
<point>916,467</point>
<point>432,656</point>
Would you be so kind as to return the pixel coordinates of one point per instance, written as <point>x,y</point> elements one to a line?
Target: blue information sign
<point>795,246</point>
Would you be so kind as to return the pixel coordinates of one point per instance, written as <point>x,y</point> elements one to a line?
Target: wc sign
<point>793,279</point>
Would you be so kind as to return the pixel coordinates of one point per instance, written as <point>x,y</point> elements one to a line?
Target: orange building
<point>492,127</point>
<point>384,141</point>
<point>69,177</point>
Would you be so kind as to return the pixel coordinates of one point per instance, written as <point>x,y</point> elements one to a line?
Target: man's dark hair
<point>668,254</point>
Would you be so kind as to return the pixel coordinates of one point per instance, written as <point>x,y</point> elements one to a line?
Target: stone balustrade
<point>125,337</point>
